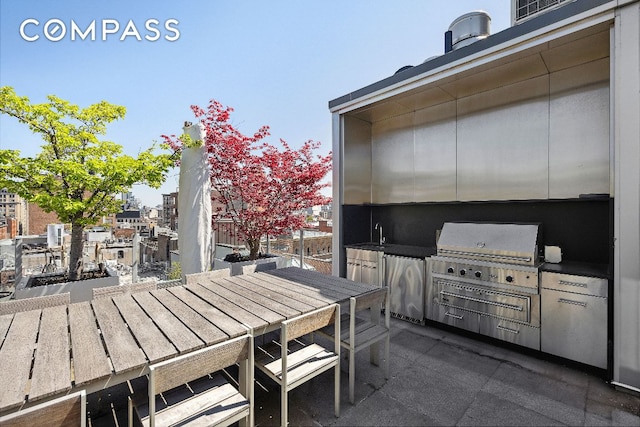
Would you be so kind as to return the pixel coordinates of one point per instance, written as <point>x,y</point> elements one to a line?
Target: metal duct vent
<point>467,29</point>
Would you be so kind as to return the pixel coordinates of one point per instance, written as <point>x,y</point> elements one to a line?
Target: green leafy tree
<point>76,175</point>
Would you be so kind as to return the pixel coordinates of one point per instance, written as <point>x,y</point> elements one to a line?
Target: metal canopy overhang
<point>571,35</point>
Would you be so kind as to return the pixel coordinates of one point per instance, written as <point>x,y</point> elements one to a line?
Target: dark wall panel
<point>580,227</point>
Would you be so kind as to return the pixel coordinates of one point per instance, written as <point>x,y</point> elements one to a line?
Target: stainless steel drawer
<point>455,317</point>
<point>513,332</point>
<point>363,254</point>
<point>574,326</point>
<point>576,284</point>
<point>484,301</point>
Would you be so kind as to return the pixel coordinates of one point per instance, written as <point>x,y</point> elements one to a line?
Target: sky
<point>277,63</point>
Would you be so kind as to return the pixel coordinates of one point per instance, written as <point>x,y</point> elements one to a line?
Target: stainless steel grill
<point>484,278</point>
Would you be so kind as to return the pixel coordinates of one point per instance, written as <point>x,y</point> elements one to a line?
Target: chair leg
<point>374,351</point>
<point>129,412</point>
<point>352,375</point>
<point>336,390</point>
<point>283,406</point>
<point>386,357</point>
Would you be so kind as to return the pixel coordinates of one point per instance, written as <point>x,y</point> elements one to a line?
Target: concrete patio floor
<point>437,377</point>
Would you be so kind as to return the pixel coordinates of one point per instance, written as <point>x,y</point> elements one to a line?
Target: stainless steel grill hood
<point>498,242</point>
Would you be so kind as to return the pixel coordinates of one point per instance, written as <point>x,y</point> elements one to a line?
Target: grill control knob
<point>509,279</point>
<point>463,272</point>
<point>478,274</point>
<point>450,270</point>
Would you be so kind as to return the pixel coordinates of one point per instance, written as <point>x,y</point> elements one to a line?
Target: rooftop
<point>437,377</point>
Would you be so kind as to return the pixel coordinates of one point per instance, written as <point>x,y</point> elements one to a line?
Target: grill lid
<point>500,242</point>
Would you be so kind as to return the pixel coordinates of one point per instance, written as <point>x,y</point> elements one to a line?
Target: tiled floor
<point>437,378</point>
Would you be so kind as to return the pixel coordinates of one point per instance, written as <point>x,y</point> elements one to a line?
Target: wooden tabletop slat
<point>276,284</point>
<point>226,324</point>
<point>154,344</point>
<point>52,373</point>
<point>5,322</point>
<point>15,357</point>
<point>260,296</point>
<point>329,283</point>
<point>124,352</point>
<point>230,309</point>
<point>298,302</point>
<point>323,294</point>
<point>90,360</point>
<point>191,318</point>
<point>181,336</point>
<point>257,309</point>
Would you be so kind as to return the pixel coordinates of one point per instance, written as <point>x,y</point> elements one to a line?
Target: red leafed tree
<point>264,189</point>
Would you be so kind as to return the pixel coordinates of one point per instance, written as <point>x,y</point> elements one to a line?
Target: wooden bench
<point>290,367</point>
<point>209,399</point>
<point>67,411</point>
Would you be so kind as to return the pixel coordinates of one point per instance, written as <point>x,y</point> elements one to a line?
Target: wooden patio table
<point>100,343</point>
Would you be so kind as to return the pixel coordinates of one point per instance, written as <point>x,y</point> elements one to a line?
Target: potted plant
<point>263,189</point>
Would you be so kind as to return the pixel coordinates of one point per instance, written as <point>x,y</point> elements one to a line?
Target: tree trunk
<point>254,248</point>
<point>75,253</point>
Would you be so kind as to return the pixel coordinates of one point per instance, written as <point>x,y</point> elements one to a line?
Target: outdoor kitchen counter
<point>395,249</point>
<point>578,269</point>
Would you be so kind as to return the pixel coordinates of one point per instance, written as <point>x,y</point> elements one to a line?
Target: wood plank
<point>230,309</point>
<point>154,344</point>
<point>257,286</point>
<point>204,329</point>
<point>16,356</point>
<point>5,322</point>
<point>90,360</point>
<point>302,298</point>
<point>238,286</point>
<point>328,296</point>
<point>327,283</point>
<point>124,352</point>
<point>257,309</point>
<point>52,364</point>
<point>327,280</point>
<point>181,336</point>
<point>228,325</point>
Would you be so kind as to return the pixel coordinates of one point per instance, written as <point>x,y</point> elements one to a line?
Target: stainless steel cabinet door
<point>369,273</point>
<point>406,278</point>
<point>354,270</point>
<point>574,326</point>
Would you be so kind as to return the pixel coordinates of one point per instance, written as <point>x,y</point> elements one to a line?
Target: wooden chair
<point>67,411</point>
<point>213,274</point>
<point>26,304</point>
<point>208,399</point>
<point>359,333</point>
<point>291,367</point>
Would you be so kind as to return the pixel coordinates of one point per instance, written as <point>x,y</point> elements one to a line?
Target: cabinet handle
<point>455,316</point>
<point>567,283</point>
<point>502,328</point>
<point>572,302</point>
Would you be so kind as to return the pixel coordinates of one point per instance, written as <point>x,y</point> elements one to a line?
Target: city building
<point>13,206</point>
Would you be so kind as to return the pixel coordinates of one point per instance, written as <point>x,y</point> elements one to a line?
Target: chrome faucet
<point>381,238</point>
